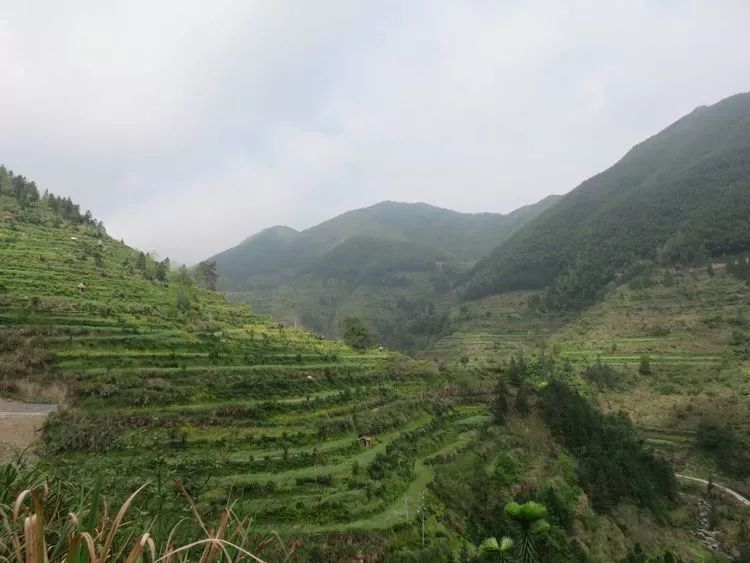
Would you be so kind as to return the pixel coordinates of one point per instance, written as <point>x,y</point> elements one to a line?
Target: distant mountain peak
<point>281,231</point>
<point>280,253</point>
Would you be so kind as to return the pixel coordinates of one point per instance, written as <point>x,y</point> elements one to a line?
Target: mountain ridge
<point>387,219</point>
<point>388,264</point>
<point>674,184</point>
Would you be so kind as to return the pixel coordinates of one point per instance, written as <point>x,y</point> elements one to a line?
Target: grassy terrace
<point>166,380</point>
<point>495,327</point>
<point>691,328</point>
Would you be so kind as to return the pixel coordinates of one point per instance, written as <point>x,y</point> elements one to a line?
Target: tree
<point>162,269</point>
<point>206,276</point>
<point>464,360</point>
<point>500,402</point>
<point>140,262</point>
<point>522,399</point>
<point>493,550</point>
<point>530,518</point>
<point>717,437</point>
<point>516,371</point>
<point>4,181</point>
<point>183,278</point>
<point>356,334</point>
<point>644,368</point>
<point>98,253</point>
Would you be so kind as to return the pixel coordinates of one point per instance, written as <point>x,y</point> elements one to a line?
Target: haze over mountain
<point>682,195</point>
<point>387,264</point>
<point>279,253</point>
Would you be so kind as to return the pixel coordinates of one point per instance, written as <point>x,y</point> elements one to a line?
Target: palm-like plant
<point>496,550</point>
<point>530,518</point>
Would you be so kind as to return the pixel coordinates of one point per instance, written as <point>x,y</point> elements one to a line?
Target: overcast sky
<point>187,126</point>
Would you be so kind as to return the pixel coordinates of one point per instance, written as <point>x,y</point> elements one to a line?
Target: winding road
<point>734,494</point>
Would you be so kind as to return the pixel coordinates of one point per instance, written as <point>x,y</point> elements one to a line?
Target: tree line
<point>26,193</point>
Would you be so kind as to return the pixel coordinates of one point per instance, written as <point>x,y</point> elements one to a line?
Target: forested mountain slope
<point>387,263</point>
<point>681,195</point>
<point>275,254</point>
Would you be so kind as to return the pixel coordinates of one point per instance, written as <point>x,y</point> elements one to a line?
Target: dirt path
<point>734,494</point>
<point>20,424</point>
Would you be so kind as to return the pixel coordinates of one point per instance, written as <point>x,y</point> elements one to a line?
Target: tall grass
<point>42,522</point>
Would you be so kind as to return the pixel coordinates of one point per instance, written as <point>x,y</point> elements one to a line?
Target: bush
<point>602,375</point>
<point>644,366</point>
<point>721,440</point>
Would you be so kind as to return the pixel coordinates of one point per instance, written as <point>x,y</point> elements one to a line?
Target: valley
<point>574,355</point>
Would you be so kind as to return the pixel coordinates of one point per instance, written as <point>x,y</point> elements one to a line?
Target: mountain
<point>260,256</point>
<point>680,196</point>
<point>278,253</point>
<point>385,263</point>
<point>323,452</point>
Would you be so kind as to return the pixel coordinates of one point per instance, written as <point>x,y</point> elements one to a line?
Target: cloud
<point>187,126</point>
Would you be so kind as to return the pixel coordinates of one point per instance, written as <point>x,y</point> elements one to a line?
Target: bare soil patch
<point>20,425</point>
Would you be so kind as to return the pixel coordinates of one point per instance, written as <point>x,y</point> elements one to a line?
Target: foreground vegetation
<point>58,521</point>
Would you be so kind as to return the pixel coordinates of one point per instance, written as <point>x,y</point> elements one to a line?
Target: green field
<point>231,404</point>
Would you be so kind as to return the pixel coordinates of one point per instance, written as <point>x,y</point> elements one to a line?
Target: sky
<point>187,126</point>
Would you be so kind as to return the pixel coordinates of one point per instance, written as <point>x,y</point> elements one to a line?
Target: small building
<point>81,287</point>
<point>366,441</point>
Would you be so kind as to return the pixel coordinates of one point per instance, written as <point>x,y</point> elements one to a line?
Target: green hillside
<point>494,328</point>
<point>279,253</point>
<point>680,196</point>
<point>160,379</point>
<point>387,264</point>
<point>164,376</point>
<point>676,352</point>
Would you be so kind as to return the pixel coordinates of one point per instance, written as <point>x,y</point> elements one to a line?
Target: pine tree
<point>140,262</point>
<point>206,276</point>
<point>500,402</point>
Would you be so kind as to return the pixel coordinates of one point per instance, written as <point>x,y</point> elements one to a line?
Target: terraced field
<point>679,346</point>
<point>690,329</point>
<point>165,380</point>
<point>160,381</point>
<point>495,327</point>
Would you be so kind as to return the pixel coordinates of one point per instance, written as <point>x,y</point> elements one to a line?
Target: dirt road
<point>734,494</point>
<point>20,424</point>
